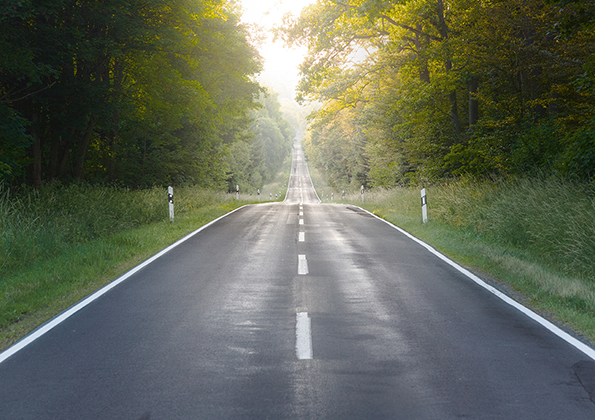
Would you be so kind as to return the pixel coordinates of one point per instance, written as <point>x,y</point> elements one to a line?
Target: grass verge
<point>533,238</point>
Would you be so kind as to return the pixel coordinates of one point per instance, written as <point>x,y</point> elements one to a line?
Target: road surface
<point>298,310</point>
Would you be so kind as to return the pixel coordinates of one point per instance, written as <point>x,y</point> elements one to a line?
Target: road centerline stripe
<point>303,336</point>
<point>302,237</point>
<point>302,265</point>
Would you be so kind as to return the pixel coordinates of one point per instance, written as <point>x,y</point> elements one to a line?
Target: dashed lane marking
<point>302,265</point>
<point>303,336</point>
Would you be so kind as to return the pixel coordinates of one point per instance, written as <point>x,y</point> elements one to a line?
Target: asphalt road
<point>298,311</point>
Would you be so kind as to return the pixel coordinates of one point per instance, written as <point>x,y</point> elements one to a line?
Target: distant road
<point>298,310</point>
<point>300,188</point>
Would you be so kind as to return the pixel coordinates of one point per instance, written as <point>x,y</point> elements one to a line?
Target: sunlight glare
<point>281,63</point>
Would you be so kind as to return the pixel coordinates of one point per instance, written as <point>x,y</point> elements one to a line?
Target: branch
<point>350,6</point>
<point>408,48</point>
<point>409,28</point>
<point>3,100</point>
<point>369,36</point>
<point>462,67</point>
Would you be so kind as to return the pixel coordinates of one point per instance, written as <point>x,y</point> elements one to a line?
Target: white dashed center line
<point>303,336</point>
<point>302,265</point>
<point>301,221</point>
<point>302,236</point>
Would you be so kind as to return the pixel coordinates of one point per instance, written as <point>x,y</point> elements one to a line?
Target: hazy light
<point>281,63</point>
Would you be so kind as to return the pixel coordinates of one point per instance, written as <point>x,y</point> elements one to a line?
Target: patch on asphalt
<point>585,371</point>
<point>359,211</point>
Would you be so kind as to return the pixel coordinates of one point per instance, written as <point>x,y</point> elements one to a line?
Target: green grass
<point>535,236</point>
<point>59,244</point>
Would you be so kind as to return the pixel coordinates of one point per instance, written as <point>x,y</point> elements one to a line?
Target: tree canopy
<point>135,92</point>
<point>426,89</point>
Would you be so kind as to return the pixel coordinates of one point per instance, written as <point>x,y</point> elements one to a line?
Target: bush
<point>578,158</point>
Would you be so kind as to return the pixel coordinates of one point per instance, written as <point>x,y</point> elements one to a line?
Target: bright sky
<point>281,63</point>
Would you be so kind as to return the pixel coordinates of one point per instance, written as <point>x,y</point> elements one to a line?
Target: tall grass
<point>552,220</point>
<point>39,224</point>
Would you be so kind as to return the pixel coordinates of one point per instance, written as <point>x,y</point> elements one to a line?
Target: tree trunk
<point>454,114</point>
<point>452,96</point>
<point>36,150</point>
<point>83,146</point>
<point>553,108</point>
<point>420,46</point>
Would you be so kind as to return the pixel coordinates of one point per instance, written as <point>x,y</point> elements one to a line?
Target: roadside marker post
<point>258,191</point>
<point>424,206</point>
<point>362,190</point>
<point>170,200</point>
<point>332,196</point>
<point>343,195</point>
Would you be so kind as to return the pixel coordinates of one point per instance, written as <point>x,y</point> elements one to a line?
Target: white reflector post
<point>424,206</point>
<point>170,199</point>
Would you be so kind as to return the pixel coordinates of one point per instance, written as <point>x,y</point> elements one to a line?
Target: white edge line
<point>289,179</point>
<point>312,184</point>
<point>538,318</point>
<point>44,328</point>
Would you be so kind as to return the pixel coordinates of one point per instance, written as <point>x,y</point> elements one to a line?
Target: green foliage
<point>13,145</point>
<point>255,160</point>
<point>444,89</point>
<point>577,159</point>
<point>136,92</point>
<point>335,144</point>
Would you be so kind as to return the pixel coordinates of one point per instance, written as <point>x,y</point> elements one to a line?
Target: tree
<point>128,90</point>
<point>256,159</point>
<point>407,66</point>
